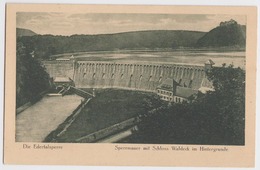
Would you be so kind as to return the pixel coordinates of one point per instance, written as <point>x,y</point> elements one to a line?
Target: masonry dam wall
<point>137,76</point>
<point>59,68</point>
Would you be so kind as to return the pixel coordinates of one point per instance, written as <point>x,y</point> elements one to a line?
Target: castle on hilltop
<point>226,23</point>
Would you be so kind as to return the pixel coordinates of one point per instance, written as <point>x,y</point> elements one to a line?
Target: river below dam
<point>37,121</point>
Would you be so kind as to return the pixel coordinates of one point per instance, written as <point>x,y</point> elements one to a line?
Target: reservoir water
<point>237,58</point>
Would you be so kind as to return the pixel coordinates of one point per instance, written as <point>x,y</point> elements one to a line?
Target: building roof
<point>204,90</point>
<point>168,84</point>
<point>62,79</point>
<point>185,92</point>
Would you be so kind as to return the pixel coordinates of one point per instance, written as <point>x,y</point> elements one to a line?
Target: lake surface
<point>177,57</point>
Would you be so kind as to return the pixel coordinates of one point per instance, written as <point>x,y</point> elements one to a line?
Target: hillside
<point>227,34</point>
<point>46,45</point>
<point>24,32</point>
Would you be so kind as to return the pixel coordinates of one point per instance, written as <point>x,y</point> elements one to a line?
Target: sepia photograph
<point>161,81</point>
<point>135,78</point>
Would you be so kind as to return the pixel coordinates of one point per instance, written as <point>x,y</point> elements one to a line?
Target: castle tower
<point>208,65</point>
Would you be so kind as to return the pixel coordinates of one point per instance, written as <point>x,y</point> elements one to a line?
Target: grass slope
<point>109,107</point>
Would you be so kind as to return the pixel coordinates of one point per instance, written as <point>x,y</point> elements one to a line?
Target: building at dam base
<point>133,76</point>
<point>171,91</point>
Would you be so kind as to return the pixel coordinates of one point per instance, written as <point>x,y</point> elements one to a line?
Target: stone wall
<point>136,76</point>
<point>59,68</point>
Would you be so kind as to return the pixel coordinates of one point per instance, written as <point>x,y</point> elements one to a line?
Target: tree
<point>31,77</point>
<point>229,84</point>
<point>216,117</point>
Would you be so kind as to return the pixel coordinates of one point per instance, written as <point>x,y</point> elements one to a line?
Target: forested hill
<point>24,32</point>
<point>46,45</point>
<point>227,34</point>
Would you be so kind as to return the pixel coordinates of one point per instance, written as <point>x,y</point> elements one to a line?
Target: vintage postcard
<point>130,85</point>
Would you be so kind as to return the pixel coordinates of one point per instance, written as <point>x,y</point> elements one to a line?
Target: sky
<point>103,23</point>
